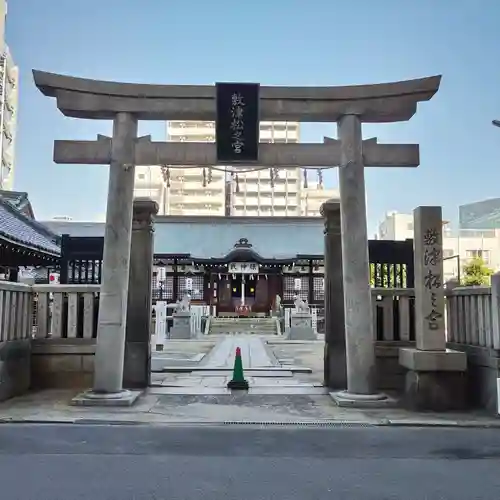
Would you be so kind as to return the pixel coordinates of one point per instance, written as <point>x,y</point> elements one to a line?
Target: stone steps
<point>242,329</point>
<point>251,326</point>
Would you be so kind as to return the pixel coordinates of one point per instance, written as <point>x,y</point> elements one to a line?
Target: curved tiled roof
<point>20,201</point>
<point>18,228</point>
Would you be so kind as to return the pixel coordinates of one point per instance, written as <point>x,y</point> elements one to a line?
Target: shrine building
<point>222,261</point>
<point>229,262</point>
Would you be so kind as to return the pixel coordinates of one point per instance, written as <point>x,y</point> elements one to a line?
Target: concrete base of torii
<point>91,398</point>
<point>345,399</point>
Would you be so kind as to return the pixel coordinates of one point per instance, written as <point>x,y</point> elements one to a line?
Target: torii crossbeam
<point>201,154</point>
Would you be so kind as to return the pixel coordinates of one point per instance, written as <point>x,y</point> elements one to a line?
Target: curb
<point>455,425</point>
<point>35,421</point>
<point>277,424</point>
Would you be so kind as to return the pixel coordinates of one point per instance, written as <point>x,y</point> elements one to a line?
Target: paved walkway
<point>254,354</point>
<point>263,371</point>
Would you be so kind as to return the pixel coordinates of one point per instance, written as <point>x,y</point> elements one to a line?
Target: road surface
<point>54,462</point>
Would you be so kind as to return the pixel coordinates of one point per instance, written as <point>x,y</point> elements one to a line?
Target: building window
<point>447,253</point>
<point>163,286</point>
<point>319,288</point>
<point>141,176</point>
<point>289,291</point>
<point>478,254</point>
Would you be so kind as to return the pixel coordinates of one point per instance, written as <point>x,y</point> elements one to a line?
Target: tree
<point>387,275</point>
<point>476,272</point>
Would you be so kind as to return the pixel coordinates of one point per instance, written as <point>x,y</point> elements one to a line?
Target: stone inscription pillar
<point>355,265</point>
<point>110,349</point>
<point>429,286</point>
<point>435,378</point>
<point>335,374</point>
<point>137,365</point>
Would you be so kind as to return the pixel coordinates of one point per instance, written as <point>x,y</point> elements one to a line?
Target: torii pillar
<point>361,390</point>
<point>112,319</point>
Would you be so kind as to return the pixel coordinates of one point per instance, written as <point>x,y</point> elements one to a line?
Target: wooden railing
<point>66,311</point>
<point>16,306</point>
<point>471,318</point>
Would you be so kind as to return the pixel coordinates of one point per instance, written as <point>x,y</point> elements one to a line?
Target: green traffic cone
<point>238,381</point>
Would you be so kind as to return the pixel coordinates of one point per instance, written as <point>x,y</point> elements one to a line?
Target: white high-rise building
<point>313,196</point>
<point>182,190</point>
<point>256,194</point>
<point>9,80</point>
<point>178,190</point>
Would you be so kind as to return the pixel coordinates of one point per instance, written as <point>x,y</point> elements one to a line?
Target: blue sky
<point>279,42</point>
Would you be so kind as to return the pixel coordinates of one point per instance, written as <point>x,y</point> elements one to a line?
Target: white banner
<point>189,284</point>
<point>297,285</point>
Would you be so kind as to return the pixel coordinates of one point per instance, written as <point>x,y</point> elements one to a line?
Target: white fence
<point>16,311</point>
<point>471,317</point>
<point>164,312</point>
<point>391,314</point>
<point>66,311</point>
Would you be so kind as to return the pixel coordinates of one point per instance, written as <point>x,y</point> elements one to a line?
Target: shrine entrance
<point>242,294</point>
<point>238,109</point>
<point>243,290</point>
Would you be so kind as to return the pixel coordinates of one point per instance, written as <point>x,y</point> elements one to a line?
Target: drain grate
<point>330,423</point>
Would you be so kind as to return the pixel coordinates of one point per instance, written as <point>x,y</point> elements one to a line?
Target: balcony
<point>197,186</point>
<point>188,210</point>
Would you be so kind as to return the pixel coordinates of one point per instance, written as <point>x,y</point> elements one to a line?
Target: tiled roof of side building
<point>20,200</point>
<point>15,227</point>
<point>214,237</point>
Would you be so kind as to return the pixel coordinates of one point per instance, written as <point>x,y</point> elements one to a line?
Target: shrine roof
<point>20,200</point>
<point>203,237</point>
<point>18,228</point>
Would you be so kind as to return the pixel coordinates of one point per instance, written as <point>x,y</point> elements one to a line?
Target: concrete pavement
<point>279,394</point>
<point>173,409</point>
<point>149,462</point>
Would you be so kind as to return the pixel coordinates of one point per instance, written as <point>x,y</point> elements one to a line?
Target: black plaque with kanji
<point>237,123</point>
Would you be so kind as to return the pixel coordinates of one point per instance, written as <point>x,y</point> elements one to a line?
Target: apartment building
<point>211,191</point>
<point>269,191</point>
<point>459,247</point>
<point>313,196</point>
<point>9,81</point>
<point>181,190</point>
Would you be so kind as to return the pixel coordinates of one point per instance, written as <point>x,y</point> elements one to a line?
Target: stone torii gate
<point>126,103</point>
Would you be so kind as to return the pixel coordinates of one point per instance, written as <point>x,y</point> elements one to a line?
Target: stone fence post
<point>495,310</point>
<point>137,363</point>
<point>335,371</point>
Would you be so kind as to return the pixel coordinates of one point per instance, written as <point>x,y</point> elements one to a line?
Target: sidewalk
<point>53,406</point>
